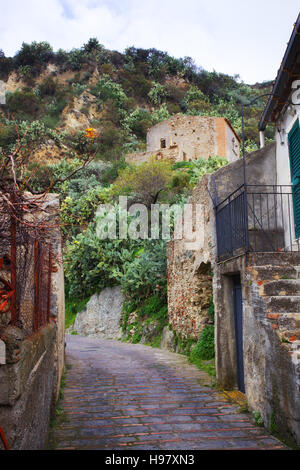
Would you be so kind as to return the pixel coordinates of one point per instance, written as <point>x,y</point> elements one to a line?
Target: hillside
<point>120,95</point>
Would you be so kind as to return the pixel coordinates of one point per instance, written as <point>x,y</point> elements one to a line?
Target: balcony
<point>258,218</point>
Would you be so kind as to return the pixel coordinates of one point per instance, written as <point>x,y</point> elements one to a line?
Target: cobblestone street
<point>123,396</point>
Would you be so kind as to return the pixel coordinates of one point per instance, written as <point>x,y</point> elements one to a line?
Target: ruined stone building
<point>31,326</point>
<point>186,138</point>
<point>251,227</point>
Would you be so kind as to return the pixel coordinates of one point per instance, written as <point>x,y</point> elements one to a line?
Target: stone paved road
<point>123,396</point>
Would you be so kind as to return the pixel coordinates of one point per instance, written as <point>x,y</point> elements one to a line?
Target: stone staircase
<point>277,276</point>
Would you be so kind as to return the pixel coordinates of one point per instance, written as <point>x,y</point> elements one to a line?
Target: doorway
<point>238,321</point>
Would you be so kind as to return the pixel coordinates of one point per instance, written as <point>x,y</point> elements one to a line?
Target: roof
<point>288,72</point>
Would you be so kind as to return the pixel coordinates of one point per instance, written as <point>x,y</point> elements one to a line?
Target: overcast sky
<point>231,36</point>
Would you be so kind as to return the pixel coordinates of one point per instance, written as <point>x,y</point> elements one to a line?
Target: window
<point>162,143</point>
<point>184,156</point>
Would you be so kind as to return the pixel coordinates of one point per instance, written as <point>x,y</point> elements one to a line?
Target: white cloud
<point>247,38</point>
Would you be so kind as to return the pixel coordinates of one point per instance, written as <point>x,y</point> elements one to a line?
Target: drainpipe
<point>262,139</point>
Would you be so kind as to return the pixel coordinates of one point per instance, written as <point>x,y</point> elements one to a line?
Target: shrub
<point>160,114</point>
<point>78,88</point>
<point>147,273</point>
<point>202,167</point>
<point>48,87</point>
<point>92,264</point>
<point>54,111</point>
<point>173,108</point>
<point>157,94</point>
<point>92,45</point>
<point>77,212</point>
<point>204,348</point>
<point>138,122</point>
<point>61,59</point>
<point>36,55</point>
<point>25,72</point>
<point>36,131</point>
<point>6,66</point>
<point>23,104</point>
<point>146,181</point>
<point>73,306</point>
<point>106,89</point>
<point>110,143</point>
<point>108,69</point>
<point>111,173</point>
<point>75,59</point>
<point>135,84</point>
<point>8,134</point>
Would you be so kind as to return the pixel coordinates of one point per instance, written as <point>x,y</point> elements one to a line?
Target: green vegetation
<point>204,348</point>
<point>72,307</point>
<point>257,418</point>
<point>201,352</point>
<point>150,316</point>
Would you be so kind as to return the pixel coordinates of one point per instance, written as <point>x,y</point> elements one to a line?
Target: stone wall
<point>189,272</point>
<point>28,391</point>
<point>102,314</point>
<point>271,336</point>
<point>31,372</point>
<point>186,138</point>
<point>171,154</point>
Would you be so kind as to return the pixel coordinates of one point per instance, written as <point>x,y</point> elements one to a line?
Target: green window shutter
<point>294,152</point>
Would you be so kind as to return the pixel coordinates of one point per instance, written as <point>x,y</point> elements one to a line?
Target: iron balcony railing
<point>258,218</point>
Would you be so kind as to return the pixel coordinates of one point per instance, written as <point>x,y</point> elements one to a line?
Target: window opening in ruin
<point>162,143</point>
<point>184,156</point>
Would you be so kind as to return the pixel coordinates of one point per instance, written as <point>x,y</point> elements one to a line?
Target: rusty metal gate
<point>25,281</point>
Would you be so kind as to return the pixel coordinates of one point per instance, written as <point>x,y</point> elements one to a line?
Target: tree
<point>36,54</point>
<point>92,45</point>
<point>145,181</point>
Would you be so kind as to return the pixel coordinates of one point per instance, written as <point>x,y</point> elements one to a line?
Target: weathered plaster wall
<point>260,169</point>
<point>285,125</point>
<point>232,144</point>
